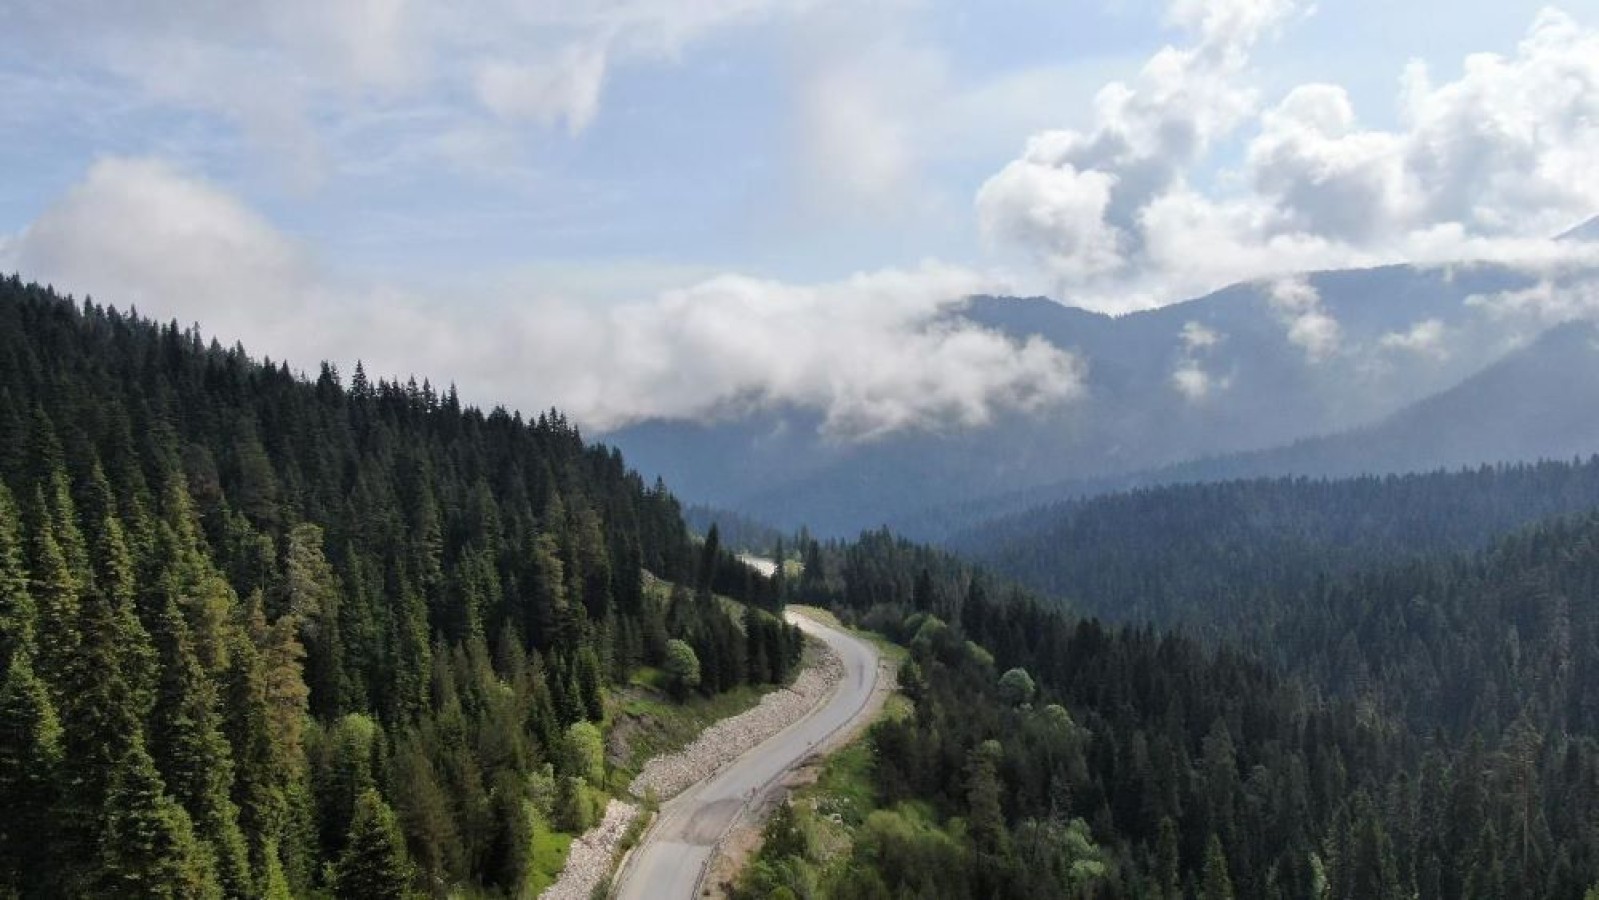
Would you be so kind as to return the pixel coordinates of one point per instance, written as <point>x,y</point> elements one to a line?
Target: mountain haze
<point>1253,367</point>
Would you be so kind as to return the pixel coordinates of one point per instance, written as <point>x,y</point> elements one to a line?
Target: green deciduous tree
<point>1016,687</point>
<point>682,667</point>
<point>585,753</point>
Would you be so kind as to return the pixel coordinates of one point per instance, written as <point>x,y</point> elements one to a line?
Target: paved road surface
<point>668,864</point>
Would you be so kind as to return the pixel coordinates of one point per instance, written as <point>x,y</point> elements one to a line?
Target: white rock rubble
<point>724,741</point>
<point>592,855</point>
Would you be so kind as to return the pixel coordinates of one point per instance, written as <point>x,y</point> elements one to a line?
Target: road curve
<point>672,857</point>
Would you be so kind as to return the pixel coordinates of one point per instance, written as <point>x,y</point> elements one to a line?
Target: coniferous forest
<point>1431,733</point>
<point>271,636</point>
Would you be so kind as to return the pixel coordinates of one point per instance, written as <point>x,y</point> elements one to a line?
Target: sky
<point>688,208</point>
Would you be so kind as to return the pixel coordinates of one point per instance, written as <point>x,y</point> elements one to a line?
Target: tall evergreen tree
<point>1217,884</point>
<point>18,617</point>
<point>56,595</point>
<point>193,757</point>
<point>30,760</point>
<point>374,864</point>
<point>150,849</point>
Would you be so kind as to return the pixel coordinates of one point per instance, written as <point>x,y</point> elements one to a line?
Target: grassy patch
<point>845,782</point>
<point>898,708</point>
<point>649,723</point>
<point>548,857</point>
<point>651,677</point>
<point>824,616</point>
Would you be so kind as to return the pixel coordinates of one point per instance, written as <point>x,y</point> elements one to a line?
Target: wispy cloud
<point>877,353</point>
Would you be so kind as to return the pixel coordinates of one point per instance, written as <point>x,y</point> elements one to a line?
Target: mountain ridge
<point>1230,372</point>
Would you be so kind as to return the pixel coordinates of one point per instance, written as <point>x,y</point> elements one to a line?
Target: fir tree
<point>191,753</point>
<point>373,865</point>
<point>149,849</point>
<point>1217,884</point>
<point>17,613</point>
<point>30,759</point>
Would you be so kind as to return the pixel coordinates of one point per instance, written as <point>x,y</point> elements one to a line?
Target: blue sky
<point>382,161</point>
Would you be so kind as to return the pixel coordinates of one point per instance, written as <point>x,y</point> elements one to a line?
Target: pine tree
<point>30,758</point>
<point>987,818</point>
<point>17,613</point>
<point>373,865</point>
<point>311,598</point>
<point>260,781</point>
<point>590,681</point>
<point>1168,861</point>
<point>710,560</point>
<point>99,712</point>
<point>149,849</point>
<point>115,584</point>
<point>1217,884</point>
<point>188,576</point>
<point>191,753</point>
<point>55,593</point>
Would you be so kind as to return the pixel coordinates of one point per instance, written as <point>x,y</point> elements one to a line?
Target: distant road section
<point>671,860</point>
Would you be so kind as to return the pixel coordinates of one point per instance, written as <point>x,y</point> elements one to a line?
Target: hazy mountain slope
<point>1536,403</point>
<point>1529,406</point>
<point>1587,231</point>
<point>1230,372</point>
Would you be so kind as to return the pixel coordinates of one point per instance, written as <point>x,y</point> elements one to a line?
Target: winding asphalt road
<point>670,861</point>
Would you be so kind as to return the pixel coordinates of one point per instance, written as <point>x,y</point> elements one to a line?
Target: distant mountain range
<point>1380,370</point>
<point>1531,405</point>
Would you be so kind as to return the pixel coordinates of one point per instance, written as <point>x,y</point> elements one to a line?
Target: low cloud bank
<point>877,353</point>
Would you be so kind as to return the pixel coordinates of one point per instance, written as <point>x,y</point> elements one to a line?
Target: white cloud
<point>1309,327</point>
<point>1425,338</point>
<point>1058,210</point>
<point>1197,337</point>
<point>1490,165</point>
<point>1189,376</point>
<point>289,72</point>
<point>877,352</point>
<point>1194,383</point>
<point>136,232</point>
<point>1073,199</point>
<point>1550,301</point>
<point>566,88</point>
<point>882,111</point>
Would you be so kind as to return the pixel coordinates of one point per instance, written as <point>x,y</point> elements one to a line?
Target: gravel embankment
<point>726,740</point>
<point>592,855</point>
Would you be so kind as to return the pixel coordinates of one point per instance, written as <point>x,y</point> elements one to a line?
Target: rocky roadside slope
<point>721,743</point>
<point>592,855</point>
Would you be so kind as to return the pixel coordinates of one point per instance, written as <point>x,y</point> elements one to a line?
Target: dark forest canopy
<point>1208,556</point>
<point>1424,727</point>
<point>264,635</point>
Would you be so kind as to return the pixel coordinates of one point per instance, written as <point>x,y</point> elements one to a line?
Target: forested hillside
<point>266,636</point>
<point>1426,729</point>
<point>1213,556</point>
